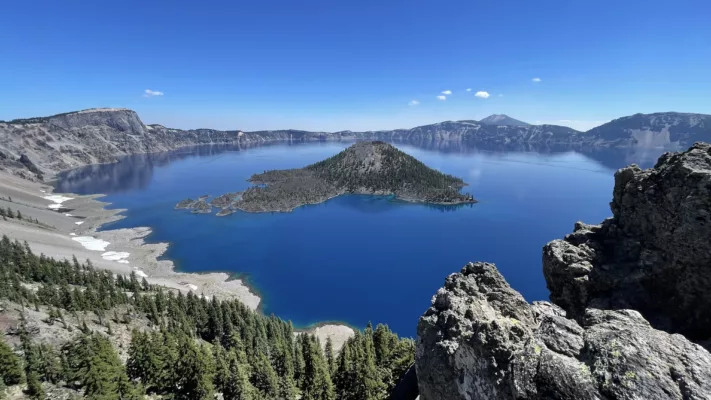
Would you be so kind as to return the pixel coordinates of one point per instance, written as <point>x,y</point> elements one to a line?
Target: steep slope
<point>658,129</point>
<point>502,120</point>
<point>94,136</point>
<point>623,290</point>
<point>379,167</point>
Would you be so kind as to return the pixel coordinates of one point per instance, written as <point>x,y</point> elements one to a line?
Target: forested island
<point>375,168</point>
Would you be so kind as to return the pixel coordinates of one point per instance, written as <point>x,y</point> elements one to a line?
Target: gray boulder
<point>482,340</point>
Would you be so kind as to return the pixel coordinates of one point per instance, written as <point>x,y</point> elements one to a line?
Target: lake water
<point>361,258</point>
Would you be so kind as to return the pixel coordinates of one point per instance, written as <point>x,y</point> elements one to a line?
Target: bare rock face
<point>653,255</point>
<point>482,340</point>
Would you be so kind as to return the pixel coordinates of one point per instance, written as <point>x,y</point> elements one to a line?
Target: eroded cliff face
<point>93,137</point>
<point>653,255</point>
<point>623,290</point>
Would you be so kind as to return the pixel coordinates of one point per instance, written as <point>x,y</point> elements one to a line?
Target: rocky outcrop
<point>24,160</point>
<point>653,255</point>
<point>623,291</point>
<point>482,340</point>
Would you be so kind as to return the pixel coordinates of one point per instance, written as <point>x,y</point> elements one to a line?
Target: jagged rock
<point>653,255</point>
<point>482,340</point>
<point>24,160</point>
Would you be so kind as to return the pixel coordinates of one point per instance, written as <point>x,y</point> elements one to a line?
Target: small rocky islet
<point>374,168</point>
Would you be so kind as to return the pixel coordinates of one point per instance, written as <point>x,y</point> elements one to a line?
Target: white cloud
<point>483,95</point>
<point>447,92</point>
<point>413,103</point>
<point>441,97</point>
<point>151,93</point>
<point>536,80</point>
<point>469,89</point>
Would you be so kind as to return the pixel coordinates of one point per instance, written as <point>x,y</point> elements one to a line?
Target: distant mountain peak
<point>501,120</point>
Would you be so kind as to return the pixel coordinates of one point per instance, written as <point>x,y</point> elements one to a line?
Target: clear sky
<point>367,64</point>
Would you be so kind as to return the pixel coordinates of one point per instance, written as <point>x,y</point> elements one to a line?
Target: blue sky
<point>332,65</point>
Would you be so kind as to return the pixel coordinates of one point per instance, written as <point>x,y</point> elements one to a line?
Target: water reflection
<point>136,171</point>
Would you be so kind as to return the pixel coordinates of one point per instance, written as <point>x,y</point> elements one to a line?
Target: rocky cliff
<point>657,129</point>
<point>93,137</point>
<point>622,292</point>
<point>653,255</point>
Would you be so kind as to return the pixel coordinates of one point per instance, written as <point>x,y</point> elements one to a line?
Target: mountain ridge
<point>502,120</point>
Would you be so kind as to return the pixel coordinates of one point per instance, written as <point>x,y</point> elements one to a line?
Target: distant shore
<point>74,222</point>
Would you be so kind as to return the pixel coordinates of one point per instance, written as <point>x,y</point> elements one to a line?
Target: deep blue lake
<point>361,258</point>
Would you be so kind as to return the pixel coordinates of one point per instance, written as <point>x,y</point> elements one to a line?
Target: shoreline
<point>393,197</point>
<point>77,221</point>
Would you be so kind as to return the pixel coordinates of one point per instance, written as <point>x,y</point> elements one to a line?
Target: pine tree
<point>316,384</point>
<point>32,363</point>
<point>344,373</point>
<point>34,386</point>
<point>263,377</point>
<point>92,362</point>
<point>330,358</point>
<point>195,372</point>
<point>10,364</point>
<point>236,385</point>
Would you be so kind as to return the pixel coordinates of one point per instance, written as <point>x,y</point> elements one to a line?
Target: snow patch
<point>72,234</point>
<point>43,191</point>
<point>91,243</point>
<point>79,222</point>
<point>68,215</point>
<point>57,200</point>
<point>115,255</point>
<point>122,261</point>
